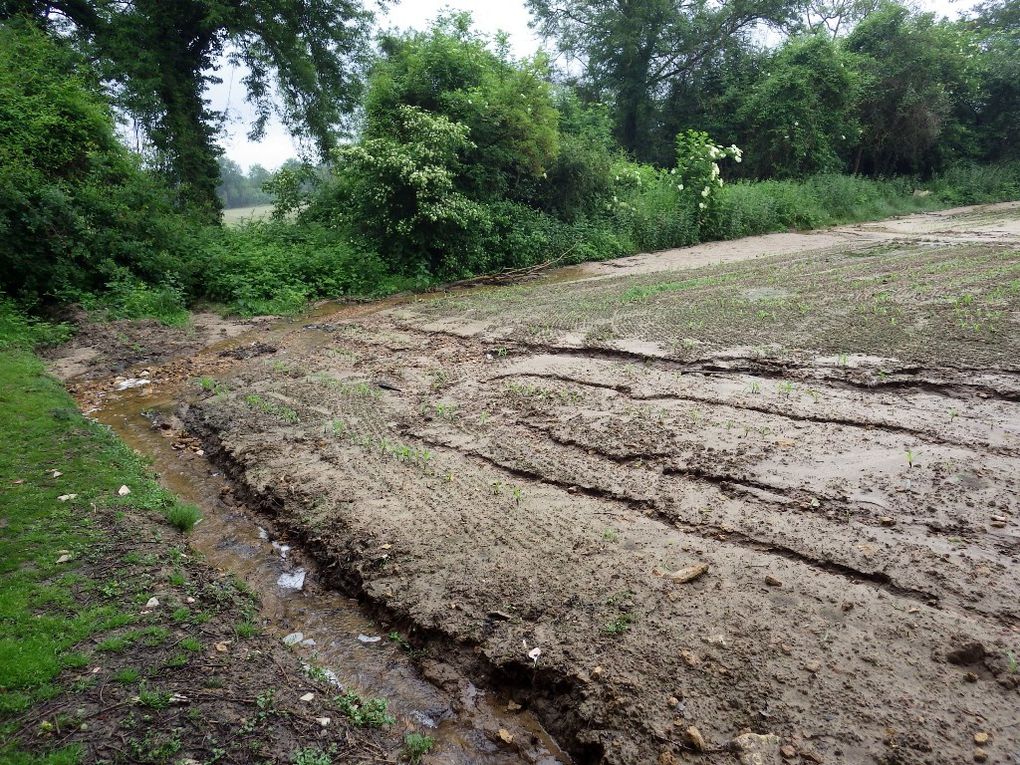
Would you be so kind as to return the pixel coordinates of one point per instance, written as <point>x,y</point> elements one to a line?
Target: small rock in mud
<point>688,574</point>
<point>696,739</point>
<point>369,638</point>
<point>788,752</point>
<point>980,755</point>
<point>308,697</point>
<point>248,351</point>
<point>772,581</point>
<point>133,382</point>
<point>505,736</point>
<point>152,603</point>
<point>756,749</point>
<point>981,737</point>
<point>293,638</point>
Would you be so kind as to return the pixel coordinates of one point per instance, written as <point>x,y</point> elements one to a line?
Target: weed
<point>619,625</point>
<point>194,645</point>
<point>417,745</point>
<point>212,385</point>
<point>280,411</point>
<point>183,516</point>
<point>153,699</point>
<point>311,756</point>
<point>364,712</point>
<point>246,629</point>
<point>127,676</point>
<point>910,458</point>
<point>610,535</point>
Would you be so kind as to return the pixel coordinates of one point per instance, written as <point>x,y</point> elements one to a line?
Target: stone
<point>757,749</point>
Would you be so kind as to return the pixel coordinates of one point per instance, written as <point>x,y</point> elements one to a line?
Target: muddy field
<point>750,502</point>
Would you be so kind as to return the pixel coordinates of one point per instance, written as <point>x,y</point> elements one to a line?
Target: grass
<point>43,619</point>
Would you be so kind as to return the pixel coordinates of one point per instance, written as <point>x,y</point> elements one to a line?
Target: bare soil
<point>756,510</point>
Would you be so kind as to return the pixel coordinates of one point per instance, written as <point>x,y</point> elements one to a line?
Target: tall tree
<point>920,90</point>
<point>304,59</point>
<point>633,50</point>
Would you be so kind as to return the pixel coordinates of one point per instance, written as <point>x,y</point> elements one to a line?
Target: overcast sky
<point>490,16</point>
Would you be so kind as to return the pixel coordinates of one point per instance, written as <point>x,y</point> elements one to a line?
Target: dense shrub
<point>275,267</point>
<point>74,205</point>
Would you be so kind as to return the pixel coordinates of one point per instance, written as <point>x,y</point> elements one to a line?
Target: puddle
<point>335,632</point>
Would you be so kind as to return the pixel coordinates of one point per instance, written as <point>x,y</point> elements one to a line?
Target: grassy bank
<point>116,643</point>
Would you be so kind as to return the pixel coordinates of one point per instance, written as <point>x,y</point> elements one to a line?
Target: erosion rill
<point>678,511</point>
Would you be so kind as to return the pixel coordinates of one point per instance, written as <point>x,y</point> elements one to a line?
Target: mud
<point>667,505</point>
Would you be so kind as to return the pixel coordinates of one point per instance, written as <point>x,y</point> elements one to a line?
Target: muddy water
<point>336,633</point>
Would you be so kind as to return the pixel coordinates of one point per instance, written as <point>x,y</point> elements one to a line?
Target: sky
<point>490,16</point>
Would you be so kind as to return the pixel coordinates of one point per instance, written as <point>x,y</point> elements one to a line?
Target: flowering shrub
<point>400,190</point>
<point>697,171</point>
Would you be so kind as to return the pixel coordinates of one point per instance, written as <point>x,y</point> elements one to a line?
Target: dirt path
<point>755,501</point>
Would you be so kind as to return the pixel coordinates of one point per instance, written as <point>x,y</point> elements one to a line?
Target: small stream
<point>337,634</point>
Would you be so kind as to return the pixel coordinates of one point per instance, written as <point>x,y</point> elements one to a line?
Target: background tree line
<point>467,159</point>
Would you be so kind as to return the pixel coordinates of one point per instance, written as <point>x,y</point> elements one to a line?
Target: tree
<point>76,211</point>
<point>633,50</point>
<point>997,27</point>
<point>157,56</point>
<point>800,115</point>
<point>920,89</point>
<point>835,17</point>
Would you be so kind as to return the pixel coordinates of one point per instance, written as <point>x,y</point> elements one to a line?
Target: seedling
<point>619,625</point>
<point>910,458</point>
<point>417,745</point>
<point>364,712</point>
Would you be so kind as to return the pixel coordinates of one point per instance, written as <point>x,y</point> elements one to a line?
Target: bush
<point>270,267</point>
<point>19,330</point>
<point>967,184</point>
<point>74,204</point>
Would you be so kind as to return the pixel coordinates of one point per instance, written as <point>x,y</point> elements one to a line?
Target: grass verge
<point>116,643</point>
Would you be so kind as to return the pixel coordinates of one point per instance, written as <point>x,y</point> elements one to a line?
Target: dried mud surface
<point>753,511</point>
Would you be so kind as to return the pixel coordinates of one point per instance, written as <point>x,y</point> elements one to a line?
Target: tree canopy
<point>304,58</point>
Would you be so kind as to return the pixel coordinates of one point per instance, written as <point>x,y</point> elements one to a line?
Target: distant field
<point>236,215</point>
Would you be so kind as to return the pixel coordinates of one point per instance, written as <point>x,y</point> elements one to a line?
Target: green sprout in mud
<point>502,352</point>
<point>610,535</point>
<point>446,411</point>
<point>483,418</point>
<point>416,746</point>
<point>359,388</point>
<point>755,388</point>
<point>910,458</point>
<point>364,712</point>
<point>518,495</point>
<point>816,396</point>
<point>211,385</point>
<point>844,360</point>
<point>440,379</point>
<point>953,414</point>
<point>619,625</point>
<point>337,427</point>
<point>497,488</point>
<point>786,388</point>
<point>1011,663</point>
<point>260,404</point>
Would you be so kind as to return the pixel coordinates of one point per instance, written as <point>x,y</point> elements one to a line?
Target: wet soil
<point>680,510</point>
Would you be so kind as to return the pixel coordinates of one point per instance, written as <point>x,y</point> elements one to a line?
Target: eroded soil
<point>670,501</point>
